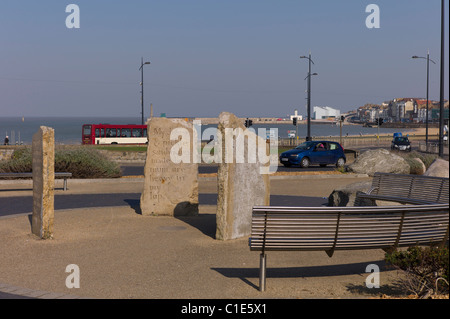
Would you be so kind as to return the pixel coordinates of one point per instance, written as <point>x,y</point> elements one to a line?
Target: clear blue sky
<point>209,56</point>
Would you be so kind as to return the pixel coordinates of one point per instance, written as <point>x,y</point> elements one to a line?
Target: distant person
<point>7,140</point>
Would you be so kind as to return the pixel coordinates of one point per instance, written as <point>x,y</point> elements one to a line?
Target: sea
<point>68,129</point>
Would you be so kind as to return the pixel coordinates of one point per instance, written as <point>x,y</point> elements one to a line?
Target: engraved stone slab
<point>43,150</point>
<point>170,172</point>
<point>241,183</point>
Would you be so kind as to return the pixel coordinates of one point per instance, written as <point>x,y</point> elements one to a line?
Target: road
<point>138,169</point>
<point>23,204</point>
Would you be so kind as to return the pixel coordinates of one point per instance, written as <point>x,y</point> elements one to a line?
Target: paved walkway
<point>122,254</point>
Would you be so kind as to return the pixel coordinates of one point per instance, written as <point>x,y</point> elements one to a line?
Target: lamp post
<point>428,81</point>
<point>142,88</point>
<point>308,134</point>
<point>441,98</point>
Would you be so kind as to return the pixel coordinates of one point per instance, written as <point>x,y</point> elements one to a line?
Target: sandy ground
<point>121,254</point>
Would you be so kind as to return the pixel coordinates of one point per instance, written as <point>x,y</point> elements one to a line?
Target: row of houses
<point>410,110</point>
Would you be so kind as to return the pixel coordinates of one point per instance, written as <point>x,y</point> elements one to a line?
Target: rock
<point>170,174</point>
<point>379,160</point>
<point>438,168</point>
<point>346,195</point>
<point>241,183</point>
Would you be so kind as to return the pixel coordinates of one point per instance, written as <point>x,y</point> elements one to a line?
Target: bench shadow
<point>314,271</point>
<point>16,190</point>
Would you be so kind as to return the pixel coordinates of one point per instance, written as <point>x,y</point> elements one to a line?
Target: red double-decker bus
<point>114,134</point>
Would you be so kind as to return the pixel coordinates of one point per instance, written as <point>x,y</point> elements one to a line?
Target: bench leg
<point>262,272</point>
<point>65,184</point>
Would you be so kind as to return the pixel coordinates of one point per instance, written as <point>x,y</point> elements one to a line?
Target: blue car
<point>314,152</point>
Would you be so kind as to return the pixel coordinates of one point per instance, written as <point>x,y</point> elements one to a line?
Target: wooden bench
<point>64,175</point>
<point>407,189</point>
<point>345,228</point>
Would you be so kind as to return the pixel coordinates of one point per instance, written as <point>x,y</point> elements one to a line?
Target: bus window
<point>87,130</point>
<point>97,132</point>
<point>137,132</point>
<point>110,132</point>
<point>126,132</point>
<point>145,132</point>
<point>102,132</point>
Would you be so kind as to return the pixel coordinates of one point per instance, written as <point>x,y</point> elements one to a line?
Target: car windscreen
<point>305,146</point>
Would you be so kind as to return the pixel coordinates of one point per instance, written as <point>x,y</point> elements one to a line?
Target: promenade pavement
<point>122,254</point>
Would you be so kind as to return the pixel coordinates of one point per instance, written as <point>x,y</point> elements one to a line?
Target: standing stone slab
<point>43,150</point>
<point>171,180</point>
<point>241,185</point>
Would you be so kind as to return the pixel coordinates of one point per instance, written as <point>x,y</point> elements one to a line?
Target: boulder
<point>438,168</point>
<point>346,195</point>
<point>379,160</point>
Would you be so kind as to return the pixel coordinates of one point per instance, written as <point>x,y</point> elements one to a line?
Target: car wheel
<point>340,162</point>
<point>305,162</point>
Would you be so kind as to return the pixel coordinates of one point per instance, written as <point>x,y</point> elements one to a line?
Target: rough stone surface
<point>170,188</point>
<point>43,150</point>
<point>379,160</point>
<point>241,185</point>
<point>439,168</point>
<point>346,195</point>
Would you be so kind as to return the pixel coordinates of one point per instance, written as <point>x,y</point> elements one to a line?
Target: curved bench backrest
<point>346,228</point>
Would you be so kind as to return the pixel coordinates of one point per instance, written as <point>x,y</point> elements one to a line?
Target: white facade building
<point>325,112</point>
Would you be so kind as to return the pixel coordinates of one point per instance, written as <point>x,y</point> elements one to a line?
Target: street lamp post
<point>308,134</point>
<point>142,88</point>
<point>428,81</point>
<point>441,95</point>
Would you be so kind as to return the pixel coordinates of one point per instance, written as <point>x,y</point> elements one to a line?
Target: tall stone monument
<point>43,150</point>
<point>171,172</point>
<point>241,180</point>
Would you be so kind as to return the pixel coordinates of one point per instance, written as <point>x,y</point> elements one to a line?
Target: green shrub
<point>426,269</point>
<point>415,167</point>
<point>81,162</point>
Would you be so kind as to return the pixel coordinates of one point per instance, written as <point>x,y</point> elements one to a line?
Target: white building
<point>422,115</point>
<point>325,112</point>
<point>299,117</point>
